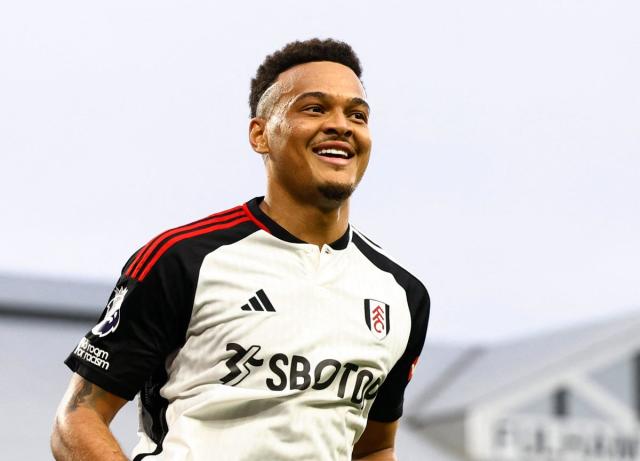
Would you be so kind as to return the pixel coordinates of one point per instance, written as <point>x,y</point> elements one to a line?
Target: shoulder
<point>385,262</point>
<point>188,243</point>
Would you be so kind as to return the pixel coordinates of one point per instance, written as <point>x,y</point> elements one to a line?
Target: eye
<point>362,116</point>
<point>315,108</point>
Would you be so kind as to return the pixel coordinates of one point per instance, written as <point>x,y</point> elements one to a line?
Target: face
<point>313,129</point>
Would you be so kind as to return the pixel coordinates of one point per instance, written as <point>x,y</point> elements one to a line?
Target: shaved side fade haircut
<point>296,53</point>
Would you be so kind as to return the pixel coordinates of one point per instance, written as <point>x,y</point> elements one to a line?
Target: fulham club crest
<point>376,314</point>
<point>111,319</point>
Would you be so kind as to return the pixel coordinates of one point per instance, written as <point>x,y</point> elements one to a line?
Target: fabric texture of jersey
<point>246,343</point>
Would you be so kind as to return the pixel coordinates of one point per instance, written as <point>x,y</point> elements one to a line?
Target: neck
<point>307,221</point>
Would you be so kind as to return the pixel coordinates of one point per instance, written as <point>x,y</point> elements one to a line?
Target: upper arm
<point>142,323</point>
<point>377,436</point>
<point>82,394</point>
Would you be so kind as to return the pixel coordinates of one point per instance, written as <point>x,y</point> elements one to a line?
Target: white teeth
<point>333,152</point>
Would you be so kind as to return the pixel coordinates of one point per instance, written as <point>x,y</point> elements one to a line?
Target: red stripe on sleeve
<point>145,252</point>
<point>163,249</point>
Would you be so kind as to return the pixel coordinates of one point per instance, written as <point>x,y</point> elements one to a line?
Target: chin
<point>336,192</point>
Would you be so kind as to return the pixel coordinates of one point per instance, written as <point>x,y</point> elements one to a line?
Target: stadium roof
<point>52,298</point>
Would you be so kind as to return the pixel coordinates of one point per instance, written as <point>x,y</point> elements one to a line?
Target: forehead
<point>324,76</point>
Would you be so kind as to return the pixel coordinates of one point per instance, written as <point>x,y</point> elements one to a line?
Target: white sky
<point>506,162</point>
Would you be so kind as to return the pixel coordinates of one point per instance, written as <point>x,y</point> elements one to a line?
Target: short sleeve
<point>387,406</point>
<point>142,323</point>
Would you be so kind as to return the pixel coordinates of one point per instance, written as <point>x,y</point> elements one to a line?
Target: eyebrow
<point>324,96</point>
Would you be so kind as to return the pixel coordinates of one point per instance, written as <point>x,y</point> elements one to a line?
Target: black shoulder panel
<point>388,403</point>
<point>145,320</point>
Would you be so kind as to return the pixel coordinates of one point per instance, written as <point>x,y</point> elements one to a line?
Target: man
<point>270,331</point>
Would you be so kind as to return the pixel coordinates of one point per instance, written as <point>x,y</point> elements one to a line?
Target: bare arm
<point>377,442</point>
<point>81,429</point>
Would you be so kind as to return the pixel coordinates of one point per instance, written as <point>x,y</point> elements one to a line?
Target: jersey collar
<point>278,231</point>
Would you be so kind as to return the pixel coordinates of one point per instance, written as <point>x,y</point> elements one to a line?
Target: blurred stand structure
<point>571,395</point>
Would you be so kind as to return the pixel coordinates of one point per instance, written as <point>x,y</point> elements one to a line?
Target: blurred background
<point>505,174</point>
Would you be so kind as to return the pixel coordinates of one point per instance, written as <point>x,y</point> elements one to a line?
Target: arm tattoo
<point>85,395</point>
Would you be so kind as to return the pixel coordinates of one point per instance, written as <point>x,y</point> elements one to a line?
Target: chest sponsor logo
<point>111,319</point>
<point>238,365</point>
<point>295,372</point>
<point>376,315</point>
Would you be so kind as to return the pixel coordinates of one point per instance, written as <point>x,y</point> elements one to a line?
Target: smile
<point>334,153</point>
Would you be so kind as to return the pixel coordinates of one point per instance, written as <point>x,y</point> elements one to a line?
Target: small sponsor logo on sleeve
<point>412,370</point>
<point>92,354</point>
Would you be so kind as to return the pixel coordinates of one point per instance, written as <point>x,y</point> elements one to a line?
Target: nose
<point>337,124</point>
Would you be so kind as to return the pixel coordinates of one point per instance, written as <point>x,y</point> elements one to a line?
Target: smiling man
<point>270,331</point>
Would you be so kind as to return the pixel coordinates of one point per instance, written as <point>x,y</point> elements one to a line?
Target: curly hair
<point>296,53</point>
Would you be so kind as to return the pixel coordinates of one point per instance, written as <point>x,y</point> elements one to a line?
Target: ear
<point>257,135</point>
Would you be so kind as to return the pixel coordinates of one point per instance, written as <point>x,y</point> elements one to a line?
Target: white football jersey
<point>246,343</point>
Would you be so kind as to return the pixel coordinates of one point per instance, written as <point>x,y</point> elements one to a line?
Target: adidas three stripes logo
<point>260,302</point>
